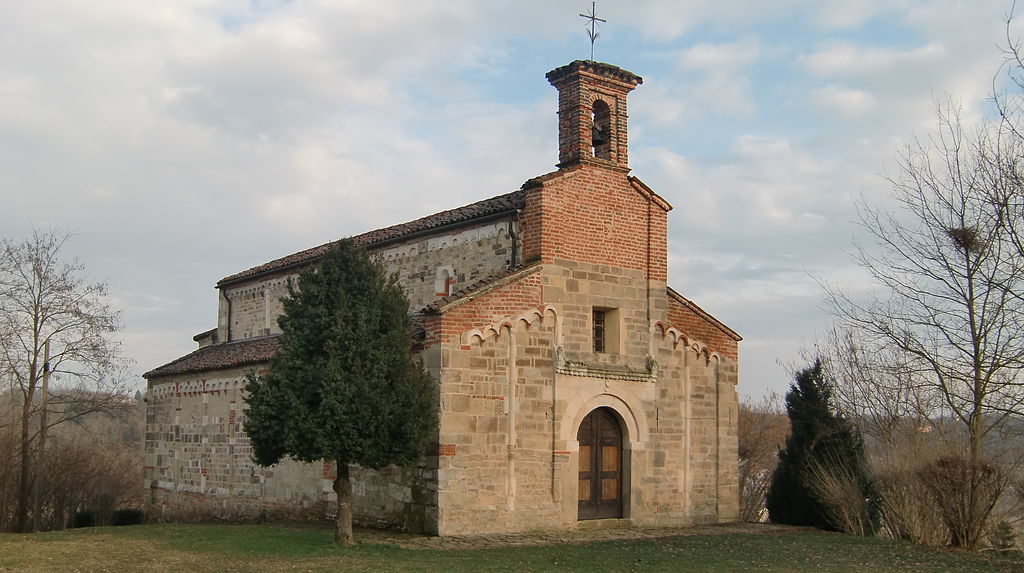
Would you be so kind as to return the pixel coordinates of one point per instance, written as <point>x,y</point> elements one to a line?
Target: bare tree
<point>47,301</point>
<point>761,431</point>
<point>1009,103</point>
<point>1005,156</point>
<point>948,304</point>
<point>874,387</point>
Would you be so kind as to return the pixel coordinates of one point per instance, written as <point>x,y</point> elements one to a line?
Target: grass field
<point>197,548</point>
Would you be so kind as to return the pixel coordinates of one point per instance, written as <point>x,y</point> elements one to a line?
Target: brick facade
<point>506,292</point>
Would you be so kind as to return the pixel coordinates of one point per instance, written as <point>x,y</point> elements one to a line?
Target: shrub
<point>127,517</point>
<point>840,486</point>
<point>908,509</point>
<point>761,431</point>
<point>85,518</point>
<point>821,439</point>
<point>1002,538</point>
<point>966,492</point>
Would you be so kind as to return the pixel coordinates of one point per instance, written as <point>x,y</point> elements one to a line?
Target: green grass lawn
<point>197,548</point>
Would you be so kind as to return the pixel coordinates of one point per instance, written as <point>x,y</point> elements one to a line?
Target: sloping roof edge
<point>205,334</point>
<point>473,212</point>
<point>541,180</point>
<point>704,314</point>
<point>649,193</point>
<point>233,354</point>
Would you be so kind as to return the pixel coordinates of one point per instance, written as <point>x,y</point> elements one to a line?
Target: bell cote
<point>592,113</point>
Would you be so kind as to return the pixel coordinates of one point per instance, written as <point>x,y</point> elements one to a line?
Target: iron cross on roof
<point>592,32</point>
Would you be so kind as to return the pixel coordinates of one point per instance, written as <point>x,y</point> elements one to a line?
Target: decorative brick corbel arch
<point>524,320</point>
<point>680,340</point>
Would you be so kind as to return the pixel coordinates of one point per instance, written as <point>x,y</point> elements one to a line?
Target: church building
<point>574,384</point>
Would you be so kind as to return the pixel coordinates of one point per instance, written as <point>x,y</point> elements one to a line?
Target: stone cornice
<point>604,371</point>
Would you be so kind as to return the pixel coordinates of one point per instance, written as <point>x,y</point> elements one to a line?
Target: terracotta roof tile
<point>477,286</point>
<point>204,334</point>
<point>593,67</point>
<point>492,206</point>
<point>244,353</point>
<point>217,356</point>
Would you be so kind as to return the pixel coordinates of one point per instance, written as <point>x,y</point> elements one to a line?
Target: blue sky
<point>186,140</point>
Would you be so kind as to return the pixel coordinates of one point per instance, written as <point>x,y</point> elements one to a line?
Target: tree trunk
<point>343,489</point>
<point>25,460</point>
<point>40,472</point>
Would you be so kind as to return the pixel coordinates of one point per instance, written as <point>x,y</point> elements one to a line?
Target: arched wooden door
<point>600,478</point>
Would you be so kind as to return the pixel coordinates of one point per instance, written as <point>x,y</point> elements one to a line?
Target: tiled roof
<point>468,290</point>
<point>217,356</point>
<point>474,287</point>
<point>204,334</point>
<point>493,206</point>
<point>244,352</point>
<point>593,67</point>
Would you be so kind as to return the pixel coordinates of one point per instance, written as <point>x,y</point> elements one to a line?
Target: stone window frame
<point>444,281</point>
<point>606,330</point>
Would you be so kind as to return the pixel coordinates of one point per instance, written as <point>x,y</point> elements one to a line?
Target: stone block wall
<point>519,371</point>
<point>627,298</point>
<point>427,267</point>
<point>495,467</point>
<point>198,466</point>
<point>517,381</point>
<point>464,256</point>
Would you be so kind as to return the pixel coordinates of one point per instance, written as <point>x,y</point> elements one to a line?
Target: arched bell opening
<point>601,132</point>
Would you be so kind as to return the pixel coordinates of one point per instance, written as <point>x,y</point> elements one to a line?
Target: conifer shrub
<point>346,385</point>
<point>821,479</point>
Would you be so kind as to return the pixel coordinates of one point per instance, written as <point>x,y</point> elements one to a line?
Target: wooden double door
<point>600,477</point>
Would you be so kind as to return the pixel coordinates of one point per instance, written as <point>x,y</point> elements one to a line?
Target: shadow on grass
<point>311,549</point>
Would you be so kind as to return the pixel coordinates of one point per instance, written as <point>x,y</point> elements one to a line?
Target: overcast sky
<point>185,140</point>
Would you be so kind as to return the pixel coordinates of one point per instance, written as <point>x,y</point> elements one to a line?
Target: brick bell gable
<point>592,99</point>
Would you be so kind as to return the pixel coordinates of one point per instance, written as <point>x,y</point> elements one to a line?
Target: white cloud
<point>715,58</point>
<point>847,60</point>
<point>846,14</point>
<point>712,78</point>
<point>846,102</point>
<point>188,140</point>
<point>765,188</point>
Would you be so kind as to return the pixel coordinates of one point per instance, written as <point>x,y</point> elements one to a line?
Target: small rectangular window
<point>607,327</point>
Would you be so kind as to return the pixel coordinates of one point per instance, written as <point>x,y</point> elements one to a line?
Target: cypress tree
<point>344,385</point>
<point>818,436</point>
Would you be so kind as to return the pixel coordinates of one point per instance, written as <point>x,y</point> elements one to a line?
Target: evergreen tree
<point>344,386</point>
<point>819,440</point>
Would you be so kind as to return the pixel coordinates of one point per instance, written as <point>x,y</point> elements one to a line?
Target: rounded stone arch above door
<point>634,426</point>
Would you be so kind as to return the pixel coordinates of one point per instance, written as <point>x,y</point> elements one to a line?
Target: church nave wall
<point>198,466</point>
<point>428,267</point>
